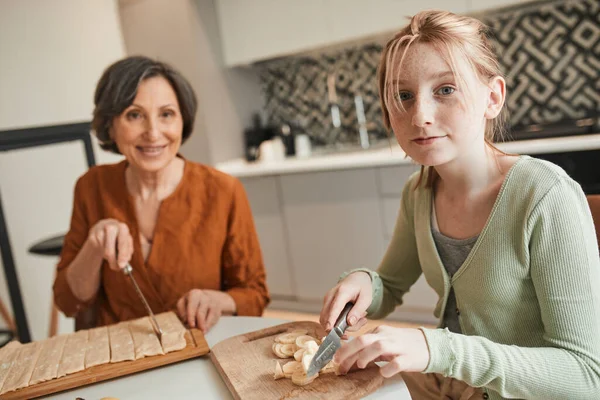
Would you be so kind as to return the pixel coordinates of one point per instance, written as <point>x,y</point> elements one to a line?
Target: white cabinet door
<point>352,19</point>
<point>334,225</point>
<point>260,29</point>
<point>266,209</point>
<point>485,5</point>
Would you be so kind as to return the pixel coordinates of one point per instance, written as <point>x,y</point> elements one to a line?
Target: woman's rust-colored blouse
<point>204,239</point>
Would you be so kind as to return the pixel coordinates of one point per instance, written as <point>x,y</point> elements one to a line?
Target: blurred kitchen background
<point>288,103</point>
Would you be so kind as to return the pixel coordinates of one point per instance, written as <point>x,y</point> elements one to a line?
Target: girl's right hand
<point>355,288</point>
<point>112,239</point>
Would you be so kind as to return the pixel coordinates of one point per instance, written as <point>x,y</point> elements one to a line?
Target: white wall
<point>185,34</point>
<point>52,54</point>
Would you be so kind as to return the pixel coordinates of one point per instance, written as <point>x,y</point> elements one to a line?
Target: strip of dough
<point>121,343</point>
<point>173,337</point>
<point>145,340</point>
<point>99,350</point>
<point>73,358</point>
<point>22,368</point>
<point>8,355</point>
<point>51,352</point>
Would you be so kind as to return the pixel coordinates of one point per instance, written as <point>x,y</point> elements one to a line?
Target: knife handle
<point>341,324</point>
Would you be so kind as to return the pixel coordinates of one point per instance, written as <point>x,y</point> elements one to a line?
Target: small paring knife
<point>331,344</point>
<point>128,270</point>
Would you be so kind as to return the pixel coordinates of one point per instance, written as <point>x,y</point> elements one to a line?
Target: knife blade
<point>331,344</point>
<point>128,270</point>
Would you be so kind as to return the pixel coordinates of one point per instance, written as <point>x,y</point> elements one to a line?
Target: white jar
<point>272,150</point>
<point>303,146</point>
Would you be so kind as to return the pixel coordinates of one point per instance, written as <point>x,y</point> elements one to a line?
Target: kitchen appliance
<point>254,136</point>
<point>287,135</point>
<point>567,127</point>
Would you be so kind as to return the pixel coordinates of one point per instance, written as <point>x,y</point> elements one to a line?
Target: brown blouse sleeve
<point>64,298</point>
<point>244,276</point>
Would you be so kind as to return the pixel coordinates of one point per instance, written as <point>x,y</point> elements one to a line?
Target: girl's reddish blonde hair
<point>451,35</point>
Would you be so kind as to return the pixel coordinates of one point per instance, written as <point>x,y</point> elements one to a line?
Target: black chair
<point>28,138</point>
<point>50,247</point>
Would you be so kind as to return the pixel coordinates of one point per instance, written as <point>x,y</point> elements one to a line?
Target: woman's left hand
<point>203,308</point>
<point>405,349</point>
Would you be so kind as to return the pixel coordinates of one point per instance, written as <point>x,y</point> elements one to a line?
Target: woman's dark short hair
<point>118,87</point>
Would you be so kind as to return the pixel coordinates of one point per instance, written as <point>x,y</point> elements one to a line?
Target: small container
<point>303,146</point>
<point>272,150</point>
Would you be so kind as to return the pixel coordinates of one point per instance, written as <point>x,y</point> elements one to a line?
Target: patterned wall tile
<point>550,54</point>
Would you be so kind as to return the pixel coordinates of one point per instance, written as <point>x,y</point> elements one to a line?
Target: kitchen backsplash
<point>550,54</point>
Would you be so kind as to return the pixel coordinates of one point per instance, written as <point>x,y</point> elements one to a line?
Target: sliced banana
<point>306,359</point>
<point>288,349</point>
<point>299,378</point>
<point>303,339</point>
<point>298,354</point>
<point>329,368</point>
<point>277,350</point>
<point>311,347</point>
<point>278,371</point>
<point>302,347</point>
<point>291,367</point>
<point>287,338</point>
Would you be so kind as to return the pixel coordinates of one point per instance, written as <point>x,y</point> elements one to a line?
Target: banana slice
<point>299,378</point>
<point>303,339</point>
<point>311,347</point>
<point>298,354</point>
<point>278,371</point>
<point>287,338</point>
<point>306,359</point>
<point>291,367</point>
<point>277,349</point>
<point>288,349</point>
<point>330,368</point>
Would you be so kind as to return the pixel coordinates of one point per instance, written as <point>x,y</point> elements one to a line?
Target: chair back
<point>594,202</point>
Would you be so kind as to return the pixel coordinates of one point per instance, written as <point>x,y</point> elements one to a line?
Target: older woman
<point>185,228</point>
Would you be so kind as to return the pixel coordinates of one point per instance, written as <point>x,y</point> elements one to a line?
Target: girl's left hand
<point>203,308</point>
<point>405,349</point>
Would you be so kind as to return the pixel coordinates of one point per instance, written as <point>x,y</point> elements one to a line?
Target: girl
<point>506,241</point>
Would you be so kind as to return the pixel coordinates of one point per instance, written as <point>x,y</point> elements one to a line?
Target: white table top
<point>198,378</point>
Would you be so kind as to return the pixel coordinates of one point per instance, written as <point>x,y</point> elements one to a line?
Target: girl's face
<point>149,132</point>
<point>435,119</point>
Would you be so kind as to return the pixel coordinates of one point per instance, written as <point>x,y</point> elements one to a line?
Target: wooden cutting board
<point>196,346</point>
<point>247,364</point>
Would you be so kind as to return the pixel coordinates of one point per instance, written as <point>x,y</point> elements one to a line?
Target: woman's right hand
<point>355,288</point>
<point>112,239</point>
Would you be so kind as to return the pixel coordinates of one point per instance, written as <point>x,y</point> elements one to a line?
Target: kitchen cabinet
<point>263,195</point>
<point>334,224</point>
<point>261,29</point>
<point>314,226</point>
<point>475,6</point>
<point>354,19</point>
<point>257,30</point>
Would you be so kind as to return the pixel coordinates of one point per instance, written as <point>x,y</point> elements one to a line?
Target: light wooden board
<point>247,363</point>
<point>196,346</point>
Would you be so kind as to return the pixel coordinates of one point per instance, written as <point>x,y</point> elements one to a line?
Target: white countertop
<point>198,378</point>
<point>392,155</point>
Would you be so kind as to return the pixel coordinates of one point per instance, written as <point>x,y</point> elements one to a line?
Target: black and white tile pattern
<point>550,54</point>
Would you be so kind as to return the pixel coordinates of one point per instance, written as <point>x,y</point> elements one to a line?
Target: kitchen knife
<point>128,270</point>
<point>331,344</point>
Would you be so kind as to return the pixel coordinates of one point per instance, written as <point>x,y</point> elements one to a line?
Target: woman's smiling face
<point>434,117</point>
<point>149,132</point>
